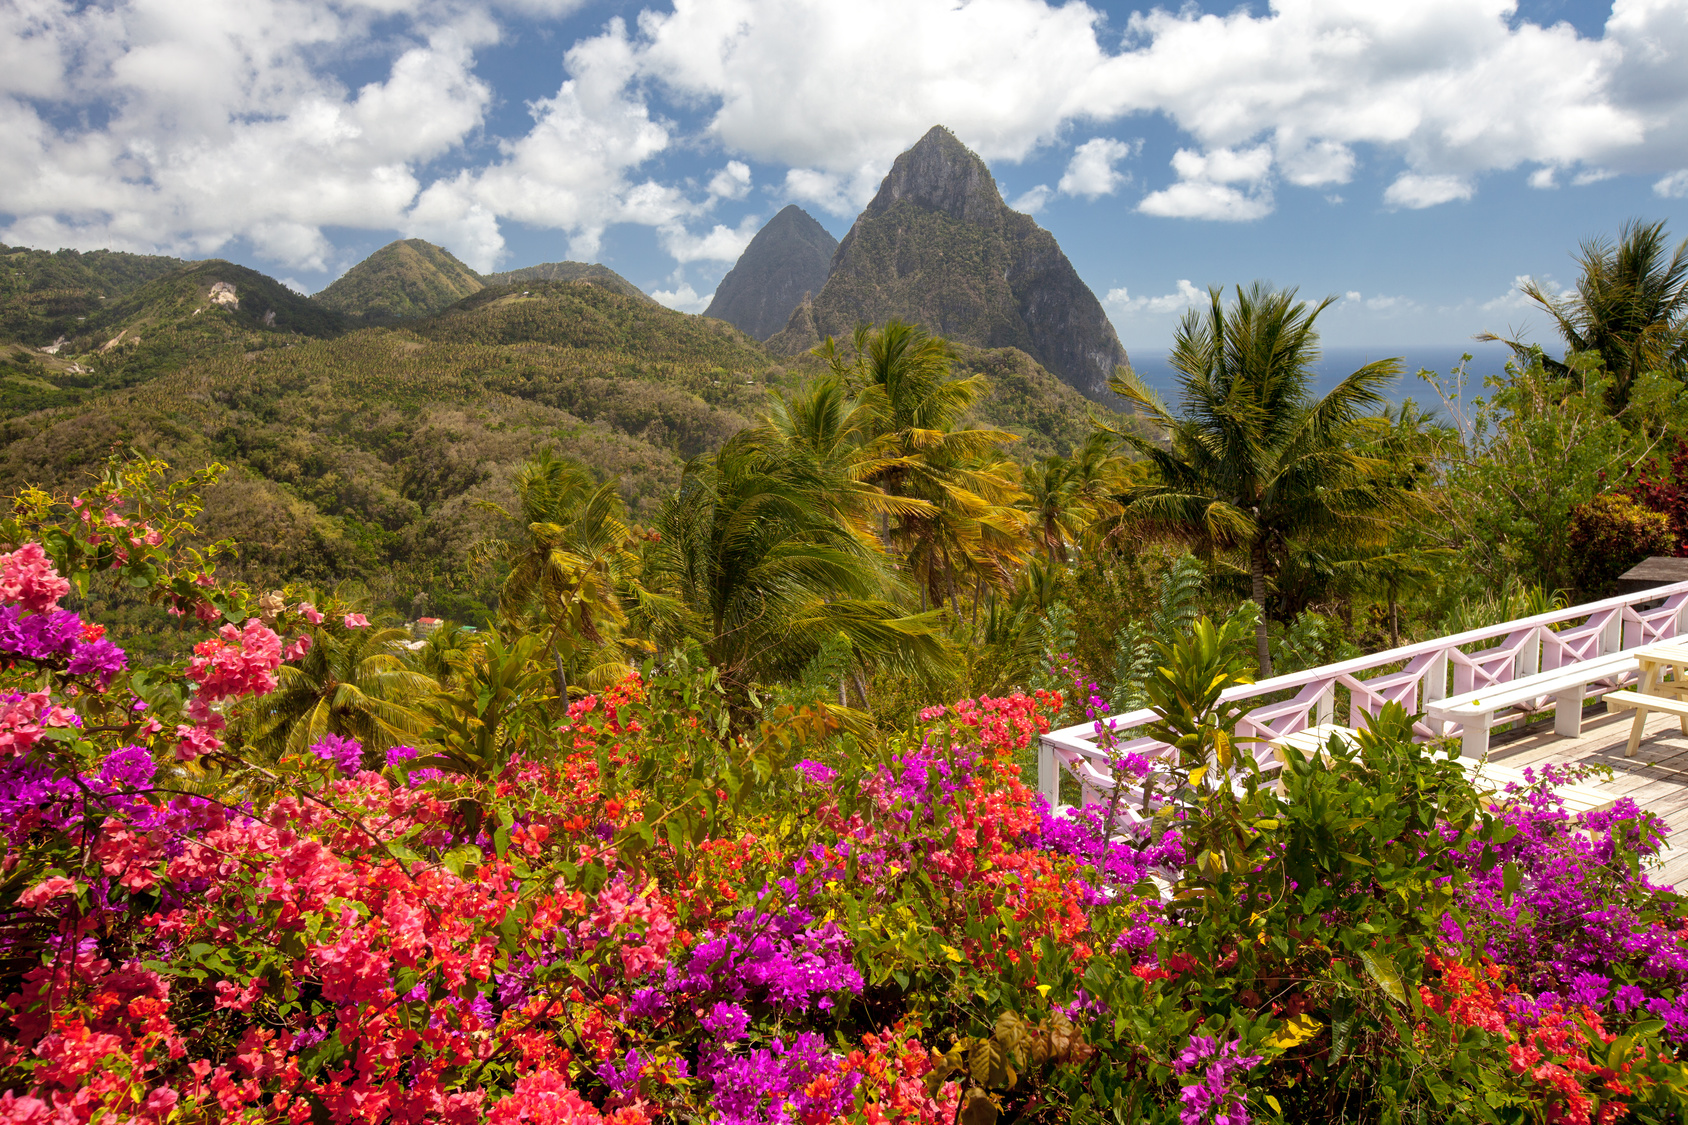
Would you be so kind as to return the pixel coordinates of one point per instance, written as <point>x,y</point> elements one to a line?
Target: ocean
<point>1336,363</point>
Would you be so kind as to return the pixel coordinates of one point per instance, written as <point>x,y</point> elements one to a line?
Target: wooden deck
<point>1656,778</point>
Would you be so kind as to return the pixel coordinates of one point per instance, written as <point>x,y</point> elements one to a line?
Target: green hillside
<point>586,314</point>
<point>401,281</point>
<point>368,453</point>
<point>569,271</point>
<point>194,312</point>
<point>47,294</point>
<point>364,455</point>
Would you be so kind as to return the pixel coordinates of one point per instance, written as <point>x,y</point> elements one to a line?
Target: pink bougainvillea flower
<point>27,577</point>
<point>356,621</point>
<point>311,612</point>
<point>46,891</point>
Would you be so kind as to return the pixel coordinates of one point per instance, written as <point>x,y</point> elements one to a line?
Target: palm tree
<point>573,566</point>
<point>1630,308</point>
<point>353,682</point>
<point>965,523</point>
<point>751,545</point>
<point>1254,460</point>
<point>1065,495</point>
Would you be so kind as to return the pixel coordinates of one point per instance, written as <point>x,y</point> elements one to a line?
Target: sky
<point>1412,159</point>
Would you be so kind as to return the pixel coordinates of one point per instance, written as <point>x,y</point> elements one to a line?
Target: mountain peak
<point>941,174</point>
<point>939,247</point>
<point>402,280</point>
<point>786,261</point>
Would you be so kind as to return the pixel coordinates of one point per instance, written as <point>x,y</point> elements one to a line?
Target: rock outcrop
<point>938,246</point>
<point>787,261</point>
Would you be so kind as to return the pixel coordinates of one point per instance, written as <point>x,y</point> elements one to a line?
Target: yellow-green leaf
<point>1295,1031</point>
<point>1387,976</point>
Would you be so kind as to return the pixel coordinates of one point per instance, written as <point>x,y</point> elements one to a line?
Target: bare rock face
<point>222,293</point>
<point>938,246</point>
<point>787,261</point>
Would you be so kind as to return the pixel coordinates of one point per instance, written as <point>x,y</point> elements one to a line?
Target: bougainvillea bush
<point>629,907</point>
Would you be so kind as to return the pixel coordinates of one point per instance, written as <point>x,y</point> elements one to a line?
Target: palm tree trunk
<point>1394,621</point>
<point>562,678</point>
<point>1257,577</point>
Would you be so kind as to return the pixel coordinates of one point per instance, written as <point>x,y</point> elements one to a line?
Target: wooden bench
<point>1475,710</point>
<point>1643,702</point>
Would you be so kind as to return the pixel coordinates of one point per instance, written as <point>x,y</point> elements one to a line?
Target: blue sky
<point>1413,159</point>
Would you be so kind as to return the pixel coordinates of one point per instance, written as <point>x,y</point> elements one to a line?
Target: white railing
<point>1409,675</point>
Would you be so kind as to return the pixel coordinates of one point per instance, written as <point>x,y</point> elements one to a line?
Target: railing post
<point>1529,657</point>
<point>1048,774</point>
<point>1612,636</point>
<point>1435,682</point>
<point>1327,705</point>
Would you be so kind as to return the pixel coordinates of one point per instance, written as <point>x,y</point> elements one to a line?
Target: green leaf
<point>1386,974</point>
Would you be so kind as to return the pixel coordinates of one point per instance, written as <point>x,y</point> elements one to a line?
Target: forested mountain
<point>594,272</point>
<point>47,294</point>
<point>366,452</point>
<point>400,281</point>
<point>938,246</point>
<point>787,261</point>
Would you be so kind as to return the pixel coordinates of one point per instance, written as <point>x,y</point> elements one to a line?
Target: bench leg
<point>1475,742</point>
<point>1635,732</point>
<point>1567,712</point>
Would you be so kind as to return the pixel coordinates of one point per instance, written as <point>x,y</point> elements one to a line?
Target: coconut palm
<point>1253,460</point>
<point>573,566</point>
<point>353,682</point>
<point>767,571</point>
<point>964,525</point>
<point>1630,307</point>
<point>1065,495</point>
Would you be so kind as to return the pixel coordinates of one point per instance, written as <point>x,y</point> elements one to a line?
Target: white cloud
<point>181,125</point>
<point>1204,189</point>
<point>220,125</point>
<point>1417,192</point>
<point>731,182</point>
<point>1091,170</point>
<point>842,194</point>
<point>1316,164</point>
<point>683,298</point>
<point>1514,298</point>
<point>1194,199</point>
<point>721,244</point>
<point>1031,202</point>
<point>1185,296</point>
<point>1544,179</point>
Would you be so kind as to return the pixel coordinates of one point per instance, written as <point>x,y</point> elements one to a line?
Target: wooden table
<point>1655,663</point>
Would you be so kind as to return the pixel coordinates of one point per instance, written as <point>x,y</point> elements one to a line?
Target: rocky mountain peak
<point>942,174</point>
<point>786,261</point>
<point>939,247</point>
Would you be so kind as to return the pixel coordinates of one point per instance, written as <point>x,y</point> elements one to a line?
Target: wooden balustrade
<point>1409,675</point>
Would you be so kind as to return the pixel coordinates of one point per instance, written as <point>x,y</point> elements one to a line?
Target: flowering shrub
<point>615,910</point>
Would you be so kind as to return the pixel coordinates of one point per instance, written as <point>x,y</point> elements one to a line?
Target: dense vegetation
<point>681,833</point>
<point>401,281</point>
<point>368,455</point>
